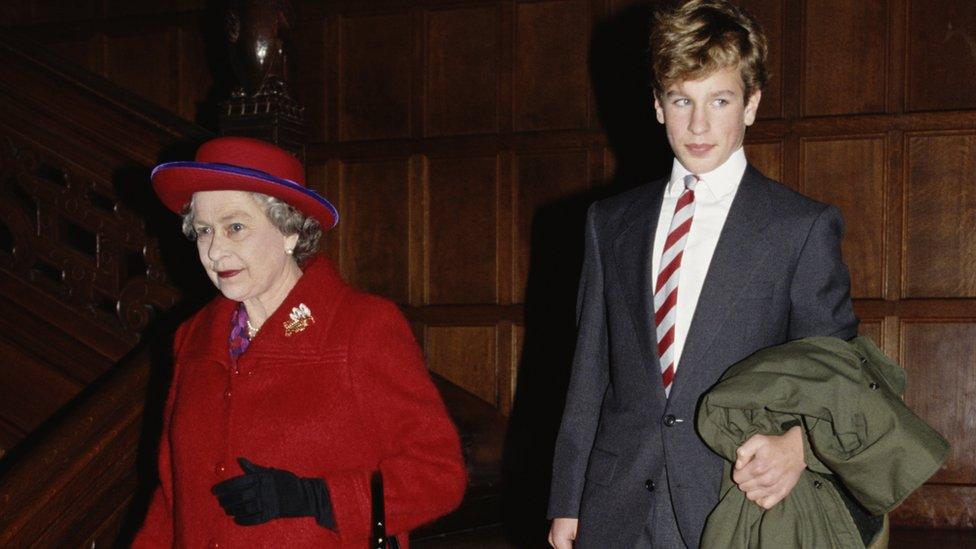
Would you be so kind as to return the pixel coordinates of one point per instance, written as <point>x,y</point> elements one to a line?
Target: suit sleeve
<point>820,293</point>
<point>157,529</point>
<point>424,475</point>
<point>587,385</point>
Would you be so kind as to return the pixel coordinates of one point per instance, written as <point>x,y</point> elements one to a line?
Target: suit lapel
<point>632,250</point>
<point>741,247</point>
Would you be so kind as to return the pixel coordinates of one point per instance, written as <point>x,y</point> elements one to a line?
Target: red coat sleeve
<point>424,475</point>
<point>157,529</point>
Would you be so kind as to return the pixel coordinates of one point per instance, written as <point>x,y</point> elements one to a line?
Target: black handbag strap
<point>378,539</point>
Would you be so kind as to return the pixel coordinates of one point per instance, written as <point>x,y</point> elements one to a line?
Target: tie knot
<point>691,180</point>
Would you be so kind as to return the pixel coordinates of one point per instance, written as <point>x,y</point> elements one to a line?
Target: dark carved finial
<point>255,32</point>
<point>261,106</point>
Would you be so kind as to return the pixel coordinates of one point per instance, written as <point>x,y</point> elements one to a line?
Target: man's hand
<point>768,466</point>
<point>562,534</point>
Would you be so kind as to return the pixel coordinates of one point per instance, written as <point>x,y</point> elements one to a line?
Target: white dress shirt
<point>713,198</point>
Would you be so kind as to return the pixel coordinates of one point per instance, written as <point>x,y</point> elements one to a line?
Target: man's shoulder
<point>625,203</point>
<point>784,200</point>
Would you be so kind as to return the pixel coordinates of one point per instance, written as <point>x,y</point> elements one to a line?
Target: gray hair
<point>285,217</point>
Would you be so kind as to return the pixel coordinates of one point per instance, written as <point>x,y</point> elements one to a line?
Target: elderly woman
<point>290,389</point>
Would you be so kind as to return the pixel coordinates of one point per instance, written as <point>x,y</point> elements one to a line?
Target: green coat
<point>847,396</point>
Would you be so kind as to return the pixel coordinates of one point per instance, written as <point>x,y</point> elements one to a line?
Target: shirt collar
<point>718,183</point>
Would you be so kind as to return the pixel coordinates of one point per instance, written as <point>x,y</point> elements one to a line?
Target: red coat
<point>337,400</point>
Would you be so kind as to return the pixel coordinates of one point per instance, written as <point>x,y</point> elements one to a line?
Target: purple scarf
<point>238,340</point>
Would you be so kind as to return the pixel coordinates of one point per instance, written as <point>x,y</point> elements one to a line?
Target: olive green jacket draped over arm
<point>847,397</point>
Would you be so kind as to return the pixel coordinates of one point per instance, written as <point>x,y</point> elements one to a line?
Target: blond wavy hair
<point>692,39</point>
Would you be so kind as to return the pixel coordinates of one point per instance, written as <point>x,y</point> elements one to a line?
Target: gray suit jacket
<point>776,275</point>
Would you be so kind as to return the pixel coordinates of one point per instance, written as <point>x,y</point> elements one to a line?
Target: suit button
<point>649,484</point>
<point>669,420</point>
<point>212,544</point>
<point>219,468</point>
<point>227,394</point>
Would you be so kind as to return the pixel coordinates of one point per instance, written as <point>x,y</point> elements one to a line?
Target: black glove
<point>263,493</point>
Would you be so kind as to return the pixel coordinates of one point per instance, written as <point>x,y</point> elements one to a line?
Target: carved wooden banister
<point>83,279</point>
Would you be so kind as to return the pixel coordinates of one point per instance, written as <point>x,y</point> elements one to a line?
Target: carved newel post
<point>261,106</point>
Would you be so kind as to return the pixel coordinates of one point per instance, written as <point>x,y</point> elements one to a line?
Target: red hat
<point>241,164</point>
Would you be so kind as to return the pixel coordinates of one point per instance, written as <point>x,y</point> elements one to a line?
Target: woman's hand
<point>264,493</point>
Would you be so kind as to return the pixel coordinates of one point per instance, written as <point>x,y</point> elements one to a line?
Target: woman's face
<point>241,251</point>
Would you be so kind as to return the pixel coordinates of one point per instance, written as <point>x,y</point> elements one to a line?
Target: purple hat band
<point>254,174</point>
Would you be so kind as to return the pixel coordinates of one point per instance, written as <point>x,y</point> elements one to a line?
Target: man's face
<point>706,119</point>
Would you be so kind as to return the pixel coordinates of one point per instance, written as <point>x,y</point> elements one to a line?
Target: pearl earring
<point>289,251</point>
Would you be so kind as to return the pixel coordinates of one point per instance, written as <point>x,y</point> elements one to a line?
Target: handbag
<point>379,540</point>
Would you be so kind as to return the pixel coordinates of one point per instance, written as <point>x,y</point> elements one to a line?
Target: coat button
<point>874,386</point>
<point>219,468</point>
<point>212,544</point>
<point>227,394</point>
<point>649,484</point>
<point>817,484</point>
<point>669,420</point>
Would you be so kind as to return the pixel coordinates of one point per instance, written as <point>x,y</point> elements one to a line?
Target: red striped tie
<point>666,289</point>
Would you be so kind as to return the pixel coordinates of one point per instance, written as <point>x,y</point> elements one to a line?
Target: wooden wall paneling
<point>376,72</point>
<point>940,252</point>
<point>196,76</point>
<point>895,214</point>
<point>374,226</point>
<point>891,338</point>
<point>41,11</point>
<point>419,330</point>
<point>417,82</point>
<point>550,73</point>
<point>333,77</point>
<point>417,207</point>
<point>157,49</point>
<point>518,344</point>
<point>506,67</point>
<point>325,177</point>
<point>767,157</point>
<point>793,61</point>
<point>939,360</point>
<point>771,16</point>
<point>897,56</point>
<point>856,85</point>
<point>507,204</point>
<point>873,328</point>
<point>462,70</point>
<point>939,506</point>
<point>466,356</point>
<point>548,186</point>
<point>941,55</point>
<point>850,174</point>
<point>620,5</point>
<point>505,352</point>
<point>308,73</point>
<point>462,230</point>
<point>791,161</point>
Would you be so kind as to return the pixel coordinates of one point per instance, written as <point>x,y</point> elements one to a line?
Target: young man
<point>681,279</point>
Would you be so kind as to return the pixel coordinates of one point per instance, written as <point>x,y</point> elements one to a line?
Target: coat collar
<point>320,289</point>
<point>736,258</point>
